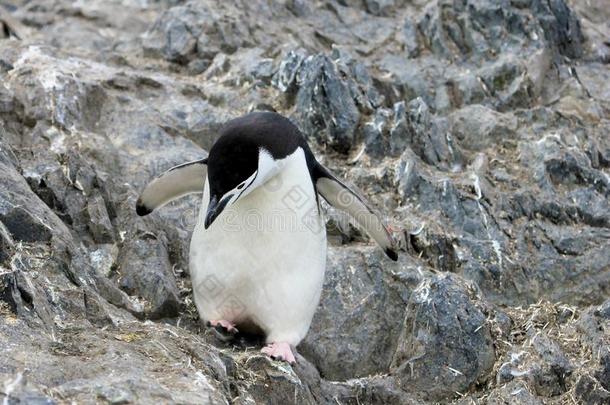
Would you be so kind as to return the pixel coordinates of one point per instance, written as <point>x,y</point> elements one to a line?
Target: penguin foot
<point>279,351</point>
<point>224,330</point>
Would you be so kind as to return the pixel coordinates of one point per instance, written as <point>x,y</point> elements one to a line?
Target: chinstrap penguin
<point>258,250</point>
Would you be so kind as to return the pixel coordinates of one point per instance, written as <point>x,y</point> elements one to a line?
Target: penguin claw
<point>224,330</point>
<point>279,351</point>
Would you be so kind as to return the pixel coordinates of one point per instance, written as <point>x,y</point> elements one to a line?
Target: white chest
<point>262,260</point>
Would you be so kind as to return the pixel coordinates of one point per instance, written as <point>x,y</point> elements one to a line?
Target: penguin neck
<point>290,189</point>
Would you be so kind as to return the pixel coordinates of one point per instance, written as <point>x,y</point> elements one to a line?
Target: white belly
<point>262,260</point>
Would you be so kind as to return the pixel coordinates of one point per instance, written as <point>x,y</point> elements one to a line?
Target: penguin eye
<point>241,186</point>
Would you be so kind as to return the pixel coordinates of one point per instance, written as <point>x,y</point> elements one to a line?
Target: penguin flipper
<point>340,196</point>
<point>178,181</point>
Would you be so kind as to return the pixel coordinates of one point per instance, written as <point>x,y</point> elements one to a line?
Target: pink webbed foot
<point>224,330</point>
<point>279,351</point>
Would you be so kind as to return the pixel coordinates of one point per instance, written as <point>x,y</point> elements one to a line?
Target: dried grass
<point>555,320</point>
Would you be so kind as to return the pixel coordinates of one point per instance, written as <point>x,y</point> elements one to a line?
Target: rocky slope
<point>479,127</point>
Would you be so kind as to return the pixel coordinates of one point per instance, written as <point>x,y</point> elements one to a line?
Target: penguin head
<point>249,152</point>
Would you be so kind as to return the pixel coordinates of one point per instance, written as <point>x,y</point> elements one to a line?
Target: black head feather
<point>234,156</point>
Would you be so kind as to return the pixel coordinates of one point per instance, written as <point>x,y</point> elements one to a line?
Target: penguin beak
<point>215,208</point>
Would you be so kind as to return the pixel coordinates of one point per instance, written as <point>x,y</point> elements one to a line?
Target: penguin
<point>258,250</point>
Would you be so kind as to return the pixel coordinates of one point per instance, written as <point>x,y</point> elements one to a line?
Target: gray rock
<point>479,126</point>
<point>411,126</point>
<point>593,388</point>
<point>447,27</point>
<point>325,107</point>
<point>286,77</point>
<point>549,379</point>
<point>376,133</point>
<point>370,390</point>
<point>411,38</point>
<point>25,217</point>
<point>445,345</point>
<point>194,30</point>
<point>588,391</point>
<point>144,270</point>
<point>351,336</point>
<point>476,127</point>
<point>99,222</point>
<point>430,139</point>
<point>6,243</point>
<point>332,94</point>
<point>379,7</point>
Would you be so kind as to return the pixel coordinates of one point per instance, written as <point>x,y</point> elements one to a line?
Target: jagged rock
<point>144,270</point>
<point>549,379</point>
<point>325,107</point>
<point>430,138</point>
<point>375,7</point>
<point>194,30</point>
<point>390,133</point>
<point>376,133</point>
<point>411,38</point>
<point>480,127</point>
<point>370,390</point>
<point>351,336</point>
<point>588,391</point>
<point>445,345</point>
<point>6,243</point>
<point>594,324</point>
<point>331,94</point>
<point>99,222</point>
<point>476,127</point>
<point>286,77</point>
<point>25,217</point>
<point>447,27</point>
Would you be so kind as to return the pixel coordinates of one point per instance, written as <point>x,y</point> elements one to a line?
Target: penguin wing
<point>340,196</point>
<point>178,181</point>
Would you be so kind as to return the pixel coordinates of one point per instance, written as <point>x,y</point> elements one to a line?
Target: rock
<point>371,390</point>
<point>411,38</point>
<point>92,383</point>
<point>561,27</point>
<point>479,128</point>
<point>587,391</point>
<point>144,270</point>
<point>593,387</point>
<point>325,107</point>
<point>333,92</point>
<point>376,133</point>
<point>286,76</point>
<point>6,243</point>
<point>390,133</point>
<point>356,288</point>
<point>604,310</point>
<point>594,78</point>
<point>445,338</point>
<point>379,7</point>
<point>549,379</point>
<point>183,33</point>
<point>476,127</point>
<point>25,217</point>
<point>447,27</point>
<point>287,383</point>
<point>99,221</point>
<point>430,139</point>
